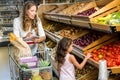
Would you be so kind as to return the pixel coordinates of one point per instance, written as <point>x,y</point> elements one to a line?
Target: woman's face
<point>32,12</point>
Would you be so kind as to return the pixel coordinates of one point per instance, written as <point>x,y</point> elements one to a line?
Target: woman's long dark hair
<point>62,48</point>
<point>26,21</point>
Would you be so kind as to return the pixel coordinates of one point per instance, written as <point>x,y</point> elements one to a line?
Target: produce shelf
<point>65,19</point>
<point>105,28</point>
<point>75,21</point>
<point>114,69</point>
<point>47,16</point>
<point>77,51</point>
<point>52,36</point>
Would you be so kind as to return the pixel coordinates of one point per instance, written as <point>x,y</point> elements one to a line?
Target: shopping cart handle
<point>30,42</point>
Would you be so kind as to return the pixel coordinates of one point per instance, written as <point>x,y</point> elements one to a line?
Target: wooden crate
<point>99,41</point>
<point>80,23</point>
<point>114,70</point>
<point>107,7</point>
<point>86,7</point>
<point>105,27</point>
<point>69,32</point>
<point>60,8</point>
<point>105,43</point>
<point>64,18</point>
<point>46,16</point>
<point>93,75</point>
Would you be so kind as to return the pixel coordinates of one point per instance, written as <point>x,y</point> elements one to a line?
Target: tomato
<point>110,63</point>
<point>96,59</point>
<point>114,63</point>
<point>108,53</point>
<point>104,47</point>
<point>111,56</point>
<point>94,51</point>
<point>118,60</point>
<point>94,55</point>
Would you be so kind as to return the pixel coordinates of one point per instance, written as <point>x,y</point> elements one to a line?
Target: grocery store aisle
<point>4,64</point>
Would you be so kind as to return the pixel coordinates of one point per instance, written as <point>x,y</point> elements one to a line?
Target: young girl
<point>67,61</point>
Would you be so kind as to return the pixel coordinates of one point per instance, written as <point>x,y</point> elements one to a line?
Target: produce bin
<point>107,7</point>
<point>98,40</point>
<point>77,21</point>
<point>71,32</point>
<point>103,26</point>
<point>64,18</point>
<point>47,16</point>
<point>114,69</point>
<point>88,72</point>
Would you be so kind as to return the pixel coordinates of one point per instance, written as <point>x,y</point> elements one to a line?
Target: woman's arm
<point>16,25</point>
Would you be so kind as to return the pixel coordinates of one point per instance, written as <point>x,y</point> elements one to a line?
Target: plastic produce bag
<point>21,49</point>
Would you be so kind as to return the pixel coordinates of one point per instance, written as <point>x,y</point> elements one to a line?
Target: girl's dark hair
<point>62,48</point>
<point>26,21</point>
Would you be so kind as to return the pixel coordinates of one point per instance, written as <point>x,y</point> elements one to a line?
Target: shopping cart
<point>18,73</point>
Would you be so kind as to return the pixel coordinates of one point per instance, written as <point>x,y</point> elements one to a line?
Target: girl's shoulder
<point>71,56</point>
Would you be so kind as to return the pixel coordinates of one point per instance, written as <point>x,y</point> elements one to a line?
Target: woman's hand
<point>29,34</point>
<point>38,39</point>
<point>34,39</point>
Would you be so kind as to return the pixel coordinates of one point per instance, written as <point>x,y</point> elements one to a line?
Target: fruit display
<point>111,19</point>
<point>108,52</point>
<point>71,32</point>
<point>73,8</point>
<point>50,43</point>
<point>87,39</point>
<point>87,69</point>
<point>87,12</point>
<point>53,27</point>
<point>59,8</point>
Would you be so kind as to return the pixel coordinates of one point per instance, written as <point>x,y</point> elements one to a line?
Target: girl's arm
<point>79,65</point>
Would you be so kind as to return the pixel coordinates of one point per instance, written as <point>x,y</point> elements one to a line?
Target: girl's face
<point>32,12</point>
<point>70,48</point>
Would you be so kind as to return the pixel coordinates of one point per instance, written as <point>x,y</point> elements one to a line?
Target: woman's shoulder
<point>17,19</point>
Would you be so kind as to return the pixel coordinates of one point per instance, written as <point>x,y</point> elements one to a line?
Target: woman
<point>29,27</point>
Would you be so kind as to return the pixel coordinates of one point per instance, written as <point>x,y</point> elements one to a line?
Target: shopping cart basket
<point>18,73</point>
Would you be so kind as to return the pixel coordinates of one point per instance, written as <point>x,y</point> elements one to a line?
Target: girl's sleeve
<point>40,29</point>
<point>16,25</point>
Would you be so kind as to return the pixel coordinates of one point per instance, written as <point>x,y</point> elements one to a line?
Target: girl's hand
<point>88,55</point>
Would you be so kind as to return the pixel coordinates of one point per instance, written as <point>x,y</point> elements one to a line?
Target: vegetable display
<point>87,39</point>
<point>110,52</point>
<point>111,19</point>
<point>88,12</point>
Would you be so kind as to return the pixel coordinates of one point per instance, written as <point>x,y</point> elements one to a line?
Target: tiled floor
<point>4,64</point>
